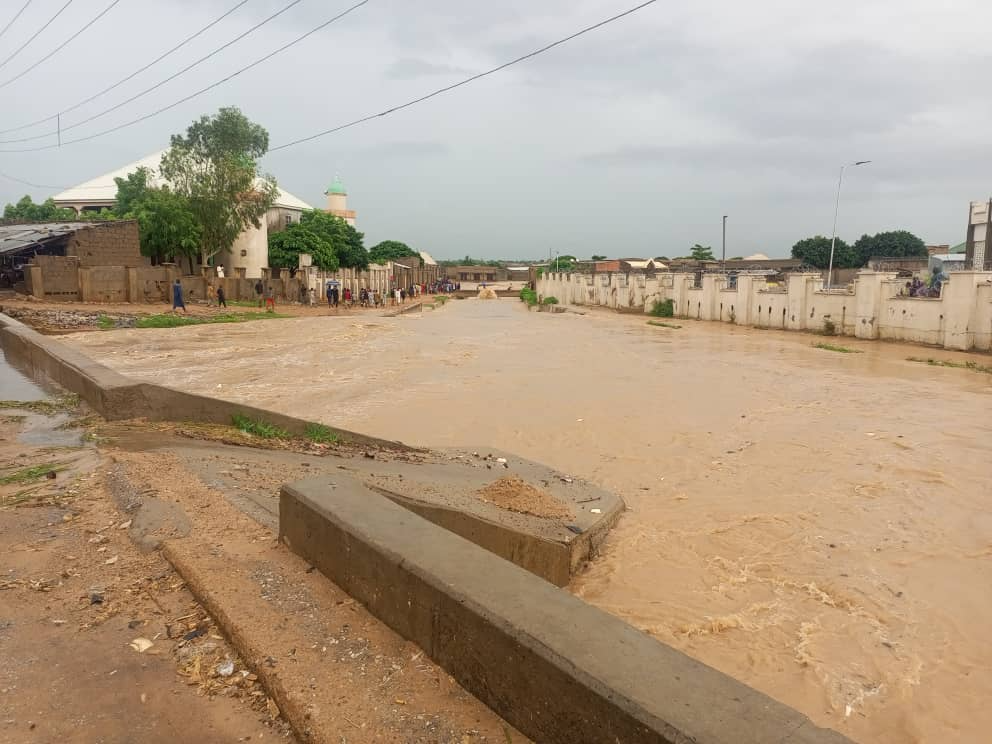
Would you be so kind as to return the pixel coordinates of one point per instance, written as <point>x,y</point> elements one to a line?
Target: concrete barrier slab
<point>557,668</point>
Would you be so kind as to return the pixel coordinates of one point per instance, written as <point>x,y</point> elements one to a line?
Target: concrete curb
<point>117,397</point>
<point>556,668</point>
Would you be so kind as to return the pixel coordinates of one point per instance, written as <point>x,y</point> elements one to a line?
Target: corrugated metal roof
<point>14,238</point>
<point>103,189</point>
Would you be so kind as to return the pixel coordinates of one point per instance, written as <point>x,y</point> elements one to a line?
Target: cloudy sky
<point>632,140</point>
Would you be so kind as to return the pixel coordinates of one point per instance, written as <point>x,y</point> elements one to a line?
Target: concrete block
<point>555,667</point>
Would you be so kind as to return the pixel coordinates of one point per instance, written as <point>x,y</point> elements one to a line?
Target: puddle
<point>16,385</point>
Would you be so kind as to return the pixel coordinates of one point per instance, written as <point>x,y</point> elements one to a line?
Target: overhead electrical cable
<point>16,16</point>
<point>466,81</point>
<point>61,46</point>
<point>201,91</point>
<point>146,91</point>
<point>123,80</point>
<point>36,33</point>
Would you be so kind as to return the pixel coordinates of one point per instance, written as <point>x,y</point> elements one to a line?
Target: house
<point>250,252</point>
<point>476,273</point>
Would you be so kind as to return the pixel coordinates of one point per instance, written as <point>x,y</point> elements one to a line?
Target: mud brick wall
<point>104,284</point>
<point>60,277</point>
<point>107,244</point>
<point>153,285</point>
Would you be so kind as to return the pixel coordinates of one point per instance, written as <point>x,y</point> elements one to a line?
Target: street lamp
<point>833,239</point>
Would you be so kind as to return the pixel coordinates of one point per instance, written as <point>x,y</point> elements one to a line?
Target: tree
<point>47,211</point>
<point>286,246</point>
<point>391,250</point>
<point>893,244</point>
<point>215,167</point>
<point>345,240</point>
<point>562,264</point>
<point>130,190</point>
<point>167,227</point>
<point>815,252</point>
<point>702,253</point>
<point>598,258</point>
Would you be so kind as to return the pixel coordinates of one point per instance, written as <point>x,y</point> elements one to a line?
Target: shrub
<point>829,328</point>
<point>320,434</point>
<point>663,309</point>
<point>550,300</point>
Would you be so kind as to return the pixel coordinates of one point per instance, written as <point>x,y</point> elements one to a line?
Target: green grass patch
<point>441,299</point>
<point>33,473</point>
<point>242,303</point>
<point>47,407</point>
<point>973,366</point>
<point>258,427</point>
<point>320,434</point>
<point>105,322</point>
<point>663,324</point>
<point>834,347</point>
<point>663,309</point>
<point>168,320</point>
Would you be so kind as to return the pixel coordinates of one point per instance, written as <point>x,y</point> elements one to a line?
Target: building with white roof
<point>250,251</point>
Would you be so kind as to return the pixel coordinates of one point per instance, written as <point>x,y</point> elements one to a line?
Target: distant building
<point>935,250</point>
<point>250,252</point>
<point>476,273</point>
<point>337,202</point>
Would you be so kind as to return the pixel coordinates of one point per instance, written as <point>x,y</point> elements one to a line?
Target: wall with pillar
<point>871,308</point>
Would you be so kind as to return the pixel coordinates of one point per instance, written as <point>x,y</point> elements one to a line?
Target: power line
<point>36,33</point>
<point>191,96</point>
<point>16,16</point>
<point>467,80</point>
<point>123,80</point>
<point>61,46</point>
<point>29,183</point>
<point>157,85</point>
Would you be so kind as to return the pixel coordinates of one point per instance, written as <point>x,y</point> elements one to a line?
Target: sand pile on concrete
<point>513,494</point>
<point>488,293</point>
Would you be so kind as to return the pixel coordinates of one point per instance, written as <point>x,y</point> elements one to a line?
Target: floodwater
<point>16,385</point>
<point>816,524</point>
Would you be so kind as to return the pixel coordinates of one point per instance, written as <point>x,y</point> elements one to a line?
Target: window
<point>288,219</point>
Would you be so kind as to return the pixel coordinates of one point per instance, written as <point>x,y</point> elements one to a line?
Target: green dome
<point>336,188</point>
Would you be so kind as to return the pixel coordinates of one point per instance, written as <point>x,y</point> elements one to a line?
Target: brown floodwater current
<point>815,524</point>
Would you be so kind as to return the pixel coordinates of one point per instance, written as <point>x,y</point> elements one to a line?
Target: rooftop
<point>103,189</point>
<point>14,238</point>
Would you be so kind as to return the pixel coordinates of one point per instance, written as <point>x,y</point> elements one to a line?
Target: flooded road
<point>816,524</point>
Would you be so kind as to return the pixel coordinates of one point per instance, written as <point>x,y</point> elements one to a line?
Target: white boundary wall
<point>871,308</point>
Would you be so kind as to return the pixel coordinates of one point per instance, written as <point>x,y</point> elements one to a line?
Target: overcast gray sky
<point>632,140</point>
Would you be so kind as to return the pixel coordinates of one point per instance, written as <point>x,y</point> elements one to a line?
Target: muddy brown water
<point>816,524</point>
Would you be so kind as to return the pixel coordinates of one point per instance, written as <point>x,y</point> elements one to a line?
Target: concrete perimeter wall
<point>116,397</point>
<point>961,318</point>
<point>555,667</point>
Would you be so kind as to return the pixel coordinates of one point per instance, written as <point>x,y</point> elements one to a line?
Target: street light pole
<point>724,241</point>
<point>833,238</point>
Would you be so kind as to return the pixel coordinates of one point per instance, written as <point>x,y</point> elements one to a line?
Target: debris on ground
<point>515,494</point>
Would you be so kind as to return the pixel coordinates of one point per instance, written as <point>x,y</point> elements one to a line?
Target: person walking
<point>313,297</point>
<point>270,299</point>
<point>177,297</point>
<point>329,291</point>
<point>221,297</point>
<point>211,295</point>
<point>258,292</point>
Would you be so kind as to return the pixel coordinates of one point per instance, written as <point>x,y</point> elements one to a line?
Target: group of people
<point>929,288</point>
<point>443,285</point>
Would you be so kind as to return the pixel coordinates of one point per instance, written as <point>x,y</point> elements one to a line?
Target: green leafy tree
<point>167,227</point>
<point>215,167</point>
<point>47,211</point>
<point>347,242</point>
<point>286,246</point>
<point>562,264</point>
<point>391,250</point>
<point>598,258</point>
<point>815,252</point>
<point>702,253</point>
<point>893,244</point>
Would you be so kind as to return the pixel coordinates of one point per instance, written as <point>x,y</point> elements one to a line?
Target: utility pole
<point>724,241</point>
